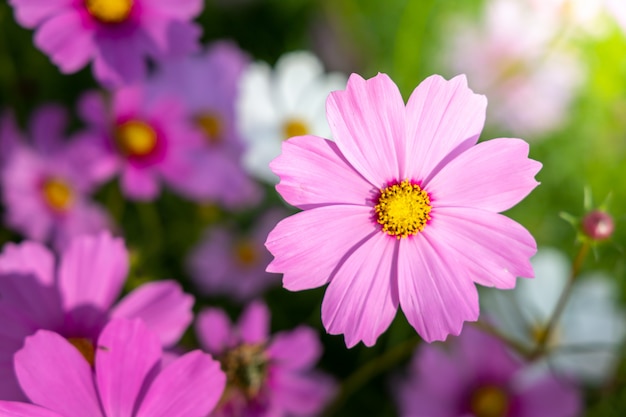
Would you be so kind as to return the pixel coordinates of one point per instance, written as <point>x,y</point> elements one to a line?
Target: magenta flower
<point>76,299</point>
<point>402,209</point>
<point>476,376</point>
<point>266,376</point>
<point>224,263</point>
<point>46,180</point>
<point>125,377</point>
<point>116,36</point>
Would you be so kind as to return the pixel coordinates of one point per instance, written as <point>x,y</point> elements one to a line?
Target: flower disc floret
<point>109,11</point>
<point>295,127</point>
<point>403,209</point>
<point>136,138</point>
<point>57,194</point>
<point>489,401</point>
<point>246,368</point>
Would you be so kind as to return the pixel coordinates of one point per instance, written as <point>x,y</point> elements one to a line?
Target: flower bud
<point>598,225</point>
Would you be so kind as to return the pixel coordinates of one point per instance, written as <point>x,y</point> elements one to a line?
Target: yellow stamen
<point>489,401</point>
<point>57,194</point>
<point>135,138</point>
<point>212,126</point>
<point>294,127</point>
<point>109,11</point>
<point>246,252</point>
<point>403,209</point>
<point>85,347</point>
<point>245,367</point>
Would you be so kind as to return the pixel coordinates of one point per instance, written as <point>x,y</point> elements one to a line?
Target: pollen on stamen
<point>135,138</point>
<point>403,209</point>
<point>109,11</point>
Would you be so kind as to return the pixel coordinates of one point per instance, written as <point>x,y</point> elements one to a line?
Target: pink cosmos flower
<point>76,298</point>
<point>267,376</point>
<point>477,377</point>
<point>402,209</point>
<point>125,377</point>
<point>224,263</point>
<point>116,36</point>
<point>46,180</point>
<point>151,140</point>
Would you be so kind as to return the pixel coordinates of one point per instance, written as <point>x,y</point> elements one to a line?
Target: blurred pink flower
<point>46,180</point>
<point>152,140</point>
<point>124,377</point>
<point>267,376</point>
<point>475,375</point>
<point>117,36</point>
<point>231,264</point>
<point>402,209</point>
<point>76,298</point>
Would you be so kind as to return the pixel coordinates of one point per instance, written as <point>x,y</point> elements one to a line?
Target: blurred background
<point>554,73</point>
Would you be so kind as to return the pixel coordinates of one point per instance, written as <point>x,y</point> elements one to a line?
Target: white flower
<point>586,338</point>
<point>273,106</point>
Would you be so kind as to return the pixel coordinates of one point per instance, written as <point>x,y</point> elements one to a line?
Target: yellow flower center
<point>295,127</point>
<point>85,347</point>
<point>246,368</point>
<point>246,253</point>
<point>212,126</point>
<point>539,335</point>
<point>403,209</point>
<point>57,194</point>
<point>135,138</point>
<point>109,11</point>
<point>489,401</point>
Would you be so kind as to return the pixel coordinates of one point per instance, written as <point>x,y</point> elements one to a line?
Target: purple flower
<point>76,298</point>
<point>125,377</point>
<point>116,35</point>
<point>267,376</point>
<point>224,263</point>
<point>46,183</point>
<point>476,376</point>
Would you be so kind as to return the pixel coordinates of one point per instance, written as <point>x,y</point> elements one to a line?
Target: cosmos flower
<point>402,211</point>
<point>76,298</point>
<point>585,343</point>
<point>226,263</point>
<point>125,376</point>
<point>274,106</point>
<point>46,180</point>
<point>115,35</point>
<point>267,376</point>
<point>476,376</point>
<point>152,140</point>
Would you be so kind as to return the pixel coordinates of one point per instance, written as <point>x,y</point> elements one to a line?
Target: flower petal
<point>30,13</point>
<point>17,409</point>
<point>181,9</point>
<point>48,125</point>
<point>331,233</point>
<point>297,349</point>
<point>92,271</point>
<point>549,397</point>
<point>214,330</point>
<point>163,307</point>
<point>436,297</point>
<point>493,175</point>
<point>54,375</point>
<point>313,171</point>
<point>254,323</point>
<point>295,71</point>
<point>301,395</point>
<point>139,184</point>
<point>28,257</point>
<point>362,297</point>
<point>367,120</point>
<point>190,386</point>
<point>444,118</point>
<point>126,353</point>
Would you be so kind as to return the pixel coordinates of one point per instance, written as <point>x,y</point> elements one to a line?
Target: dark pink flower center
<point>109,11</point>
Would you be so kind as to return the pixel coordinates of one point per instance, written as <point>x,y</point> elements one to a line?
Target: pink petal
<point>435,296</point>
<point>30,13</point>
<point>190,386</point>
<point>118,60</point>
<point>493,175</point>
<point>28,257</point>
<point>92,271</point>
<point>93,109</point>
<point>214,331</point>
<point>309,245</point>
<point>181,9</point>
<point>139,184</point>
<point>66,40</point>
<point>254,323</point>
<point>301,395</point>
<point>550,397</point>
<point>15,409</point>
<point>313,171</point>
<point>55,375</point>
<point>362,298</point>
<point>297,349</point>
<point>163,307</point>
<point>48,127</point>
<point>367,121</point>
<point>444,118</point>
<point>126,353</point>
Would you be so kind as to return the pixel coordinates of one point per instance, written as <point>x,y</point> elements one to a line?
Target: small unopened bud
<point>598,225</point>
